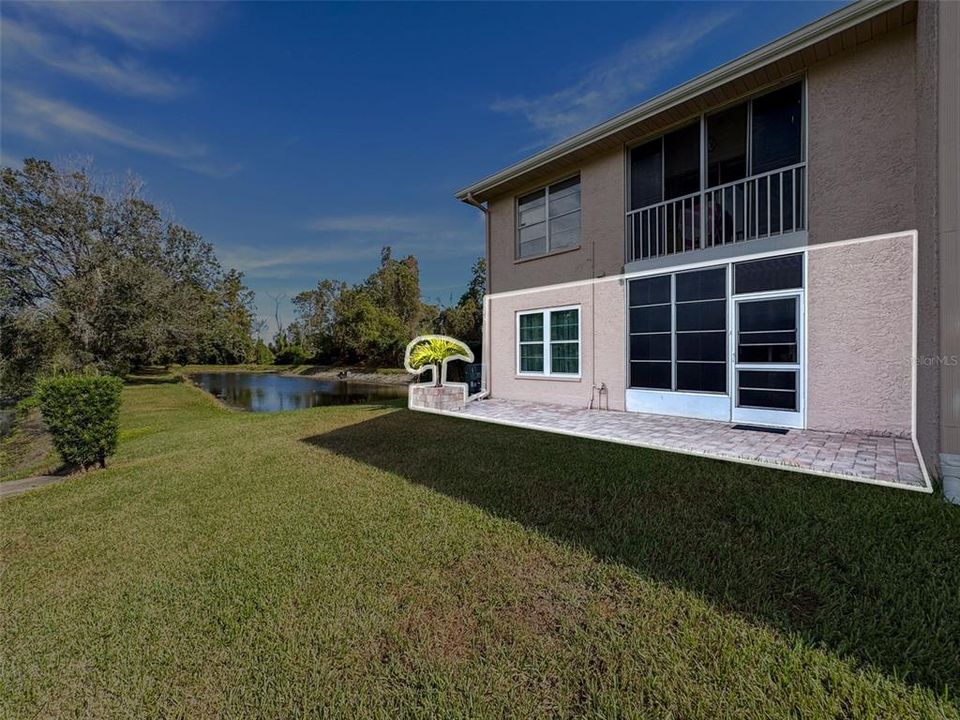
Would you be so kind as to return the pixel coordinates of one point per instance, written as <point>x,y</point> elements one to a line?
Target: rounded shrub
<point>83,414</point>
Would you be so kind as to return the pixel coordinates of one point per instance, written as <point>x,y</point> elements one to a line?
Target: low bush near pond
<point>82,413</point>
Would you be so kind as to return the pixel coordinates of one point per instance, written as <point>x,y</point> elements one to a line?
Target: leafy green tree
<point>262,354</point>
<point>374,320</point>
<point>465,319</point>
<point>316,314</point>
<point>367,332</point>
<point>233,328</point>
<point>96,277</point>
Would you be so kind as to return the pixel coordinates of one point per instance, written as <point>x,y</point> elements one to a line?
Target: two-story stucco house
<point>773,244</point>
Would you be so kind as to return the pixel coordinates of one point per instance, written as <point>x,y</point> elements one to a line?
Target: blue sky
<point>301,137</point>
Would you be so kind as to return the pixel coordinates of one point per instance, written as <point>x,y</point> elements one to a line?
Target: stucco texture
<point>862,125</point>
<point>860,336</point>
<point>601,231</point>
<point>602,345</point>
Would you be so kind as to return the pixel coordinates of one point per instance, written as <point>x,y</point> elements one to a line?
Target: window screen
<point>678,338</point>
<point>776,273</point>
<point>701,330</point>
<point>651,339</point>
<point>777,129</point>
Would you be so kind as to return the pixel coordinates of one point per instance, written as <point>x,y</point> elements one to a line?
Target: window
<point>665,168</point>
<point>701,329</point>
<point>549,342</point>
<point>678,331</point>
<point>776,129</point>
<point>549,220</point>
<point>651,333</point>
<point>768,331</point>
<point>776,273</point>
<point>727,146</point>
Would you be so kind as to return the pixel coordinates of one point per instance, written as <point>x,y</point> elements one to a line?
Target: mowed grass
<point>367,561</point>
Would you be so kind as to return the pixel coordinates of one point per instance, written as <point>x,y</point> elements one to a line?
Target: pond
<point>266,392</point>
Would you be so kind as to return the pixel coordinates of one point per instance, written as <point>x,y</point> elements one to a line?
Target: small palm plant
<point>433,351</point>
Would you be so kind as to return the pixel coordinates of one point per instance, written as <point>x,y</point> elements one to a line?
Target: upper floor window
<point>548,220</point>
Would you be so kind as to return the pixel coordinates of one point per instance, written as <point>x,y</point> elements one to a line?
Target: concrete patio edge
<point>927,488</point>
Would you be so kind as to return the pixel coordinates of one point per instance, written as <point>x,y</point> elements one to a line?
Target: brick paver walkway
<point>849,455</point>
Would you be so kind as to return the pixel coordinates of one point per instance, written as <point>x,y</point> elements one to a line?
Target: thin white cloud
<point>126,76</point>
<point>289,262</point>
<point>140,24</point>
<point>41,114</point>
<point>616,82</point>
<point>286,262</point>
<point>37,117</point>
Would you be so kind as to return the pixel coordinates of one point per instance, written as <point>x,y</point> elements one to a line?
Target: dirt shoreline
<point>352,375</point>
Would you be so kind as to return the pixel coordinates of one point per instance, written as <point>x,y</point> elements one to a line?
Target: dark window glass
<point>650,291</point>
<point>768,331</point>
<point>771,399</point>
<point>702,346</point>
<point>531,358</point>
<point>564,358</point>
<point>777,124</point>
<point>727,146</point>
<point>650,347</point>
<point>702,377</point>
<point>780,337</point>
<point>655,375</point>
<point>702,284</point>
<point>768,380</point>
<point>650,319</point>
<point>681,162</point>
<point>767,353</point>
<point>777,273</point>
<point>646,174</point>
<point>564,325</point>
<point>768,315</point>
<point>707,315</point>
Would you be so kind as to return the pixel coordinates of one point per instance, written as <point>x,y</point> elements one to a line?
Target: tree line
<point>95,277</point>
<point>372,321</point>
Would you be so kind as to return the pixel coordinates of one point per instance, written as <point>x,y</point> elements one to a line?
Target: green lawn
<point>368,561</point>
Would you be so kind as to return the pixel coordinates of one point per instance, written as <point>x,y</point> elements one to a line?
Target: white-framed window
<point>548,220</point>
<point>548,342</point>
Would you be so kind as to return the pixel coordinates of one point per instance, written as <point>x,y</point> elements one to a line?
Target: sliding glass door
<point>721,343</point>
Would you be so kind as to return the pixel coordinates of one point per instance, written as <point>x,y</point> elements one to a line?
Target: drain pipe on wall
<point>485,339</point>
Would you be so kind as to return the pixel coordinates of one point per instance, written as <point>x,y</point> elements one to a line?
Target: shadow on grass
<point>868,573</point>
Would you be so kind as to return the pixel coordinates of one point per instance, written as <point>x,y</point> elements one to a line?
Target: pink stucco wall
<point>602,344</point>
<point>860,336</point>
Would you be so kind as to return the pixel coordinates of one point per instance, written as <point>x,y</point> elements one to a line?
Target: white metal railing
<point>759,206</point>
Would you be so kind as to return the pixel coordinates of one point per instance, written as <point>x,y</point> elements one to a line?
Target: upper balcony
<point>731,176</point>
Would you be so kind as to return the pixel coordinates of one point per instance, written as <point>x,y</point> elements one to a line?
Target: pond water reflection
<point>266,392</point>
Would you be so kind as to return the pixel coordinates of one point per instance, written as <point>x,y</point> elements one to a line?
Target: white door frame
<point>760,416</point>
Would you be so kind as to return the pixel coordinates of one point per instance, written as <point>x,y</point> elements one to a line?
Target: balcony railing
<point>760,206</point>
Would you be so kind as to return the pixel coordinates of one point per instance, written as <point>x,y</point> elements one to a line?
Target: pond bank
<point>369,377</point>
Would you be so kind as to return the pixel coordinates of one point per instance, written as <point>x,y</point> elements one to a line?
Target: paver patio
<point>853,456</point>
